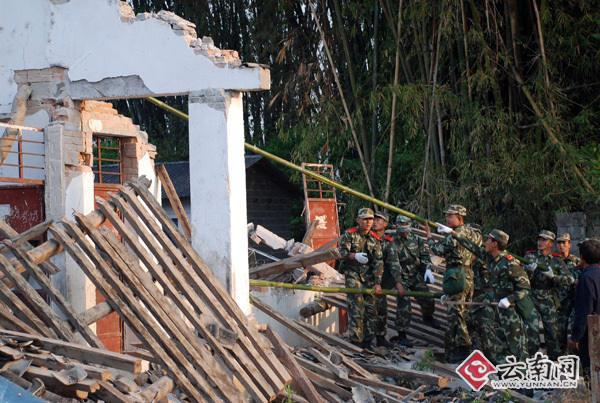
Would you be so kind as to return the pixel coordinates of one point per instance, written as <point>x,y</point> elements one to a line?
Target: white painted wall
<point>79,197</point>
<point>289,303</point>
<point>218,188</point>
<point>89,38</point>
<point>146,168</point>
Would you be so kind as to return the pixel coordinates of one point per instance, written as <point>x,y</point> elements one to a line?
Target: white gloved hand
<point>361,258</point>
<point>504,303</point>
<point>428,277</point>
<point>547,273</point>
<point>443,299</point>
<point>531,266</point>
<point>442,229</point>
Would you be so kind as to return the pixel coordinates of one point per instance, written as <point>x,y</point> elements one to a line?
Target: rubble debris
<point>63,369</point>
<point>152,277</point>
<point>301,255</point>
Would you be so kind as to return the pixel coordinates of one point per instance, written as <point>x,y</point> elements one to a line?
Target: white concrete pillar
<point>67,189</point>
<point>218,188</point>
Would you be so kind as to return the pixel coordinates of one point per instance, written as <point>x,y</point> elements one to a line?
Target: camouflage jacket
<point>508,279</point>
<point>562,275</point>
<point>567,293</point>
<point>352,241</point>
<point>413,256</point>
<point>572,262</point>
<point>391,266</point>
<point>455,254</point>
<point>481,273</point>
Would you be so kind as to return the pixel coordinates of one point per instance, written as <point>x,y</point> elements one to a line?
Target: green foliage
<point>483,144</point>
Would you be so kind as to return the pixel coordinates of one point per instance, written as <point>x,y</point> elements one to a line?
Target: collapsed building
<point>102,297</point>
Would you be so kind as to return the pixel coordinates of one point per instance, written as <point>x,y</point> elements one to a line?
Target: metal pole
<point>321,178</point>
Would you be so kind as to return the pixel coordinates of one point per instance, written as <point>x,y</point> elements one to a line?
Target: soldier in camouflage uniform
<point>481,321</point>
<point>362,264</point>
<point>390,267</point>
<point>414,274</point>
<point>507,284</point>
<point>566,294</point>
<point>458,279</point>
<point>547,275</point>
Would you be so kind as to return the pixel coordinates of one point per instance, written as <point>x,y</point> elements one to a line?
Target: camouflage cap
<point>456,209</point>
<point>365,212</point>
<point>564,237</point>
<point>403,223</point>
<point>383,215</point>
<point>547,235</point>
<point>499,236</point>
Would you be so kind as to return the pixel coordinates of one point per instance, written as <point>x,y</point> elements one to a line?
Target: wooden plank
<point>202,273</point>
<point>9,232</point>
<point>331,338</point>
<point>17,324</point>
<point>426,378</point>
<point>95,313</point>
<point>16,305</point>
<point>162,309</point>
<point>174,200</point>
<point>243,371</point>
<point>109,393</point>
<point>129,309</point>
<point>52,382</point>
<point>328,384</point>
<point>36,302</point>
<point>293,262</point>
<point>315,341</point>
<point>158,390</point>
<point>46,360</point>
<point>212,293</point>
<point>84,354</point>
<point>300,379</point>
<point>56,295</point>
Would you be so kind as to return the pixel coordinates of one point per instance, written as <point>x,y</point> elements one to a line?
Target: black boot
<point>382,342</point>
<point>402,340</point>
<point>367,344</point>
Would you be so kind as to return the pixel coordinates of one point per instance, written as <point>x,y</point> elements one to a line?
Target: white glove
<point>547,273</point>
<point>442,229</point>
<point>504,303</point>
<point>531,266</point>
<point>443,299</point>
<point>428,277</point>
<point>361,258</point>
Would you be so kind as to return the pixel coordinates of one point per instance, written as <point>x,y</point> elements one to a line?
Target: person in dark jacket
<point>587,299</point>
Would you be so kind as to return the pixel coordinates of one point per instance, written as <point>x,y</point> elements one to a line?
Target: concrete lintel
<point>134,87</point>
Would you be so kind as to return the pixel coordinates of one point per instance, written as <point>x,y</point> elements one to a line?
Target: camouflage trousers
<point>404,305</point>
<point>511,335</point>
<point>482,325</point>
<point>362,312</point>
<point>531,318</point>
<point>565,311</point>
<point>546,306</point>
<point>457,339</point>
